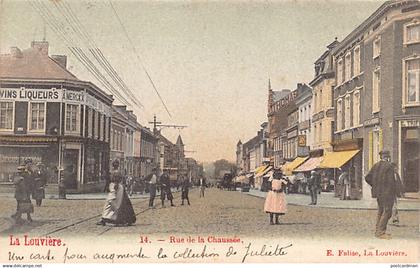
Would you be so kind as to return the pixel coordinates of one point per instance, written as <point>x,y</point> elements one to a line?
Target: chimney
<point>15,52</point>
<point>60,60</point>
<point>41,46</point>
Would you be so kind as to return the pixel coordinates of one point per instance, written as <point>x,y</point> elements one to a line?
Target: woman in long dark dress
<point>118,208</point>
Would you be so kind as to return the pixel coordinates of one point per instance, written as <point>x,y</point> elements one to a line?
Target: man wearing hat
<point>22,195</point>
<point>314,183</point>
<point>28,175</point>
<point>385,189</point>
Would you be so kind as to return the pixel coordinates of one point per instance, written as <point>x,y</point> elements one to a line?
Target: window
<point>356,61</point>
<point>90,122</point>
<point>36,116</point>
<point>376,87</point>
<point>411,81</point>
<point>72,118</point>
<point>340,71</point>
<point>6,115</point>
<point>412,33</point>
<point>377,47</point>
<point>320,99</point>
<point>339,114</point>
<point>356,108</point>
<point>347,112</point>
<point>347,70</point>
<point>320,133</point>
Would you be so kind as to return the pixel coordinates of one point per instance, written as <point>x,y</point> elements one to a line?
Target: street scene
<point>237,130</point>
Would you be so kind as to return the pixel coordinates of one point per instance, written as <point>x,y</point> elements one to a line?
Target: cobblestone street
<point>219,213</point>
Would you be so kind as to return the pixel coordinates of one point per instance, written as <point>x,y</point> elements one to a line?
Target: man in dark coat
<point>22,195</point>
<point>385,189</point>
<point>40,182</point>
<point>314,184</point>
<point>165,189</point>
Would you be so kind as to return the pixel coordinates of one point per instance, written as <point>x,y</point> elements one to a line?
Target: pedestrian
<point>314,183</point>
<point>184,191</point>
<point>165,189</point>
<point>202,184</point>
<point>118,208</point>
<point>152,187</point>
<point>400,189</point>
<point>385,189</point>
<point>28,175</point>
<point>275,202</point>
<point>39,183</point>
<point>22,196</point>
<point>344,179</point>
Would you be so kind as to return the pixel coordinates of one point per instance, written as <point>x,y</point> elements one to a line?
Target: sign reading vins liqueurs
<point>28,94</point>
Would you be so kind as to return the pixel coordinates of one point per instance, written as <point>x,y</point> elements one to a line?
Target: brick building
<point>377,91</point>
<point>49,115</point>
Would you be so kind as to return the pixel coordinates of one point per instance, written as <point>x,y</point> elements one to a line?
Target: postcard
<point>231,132</point>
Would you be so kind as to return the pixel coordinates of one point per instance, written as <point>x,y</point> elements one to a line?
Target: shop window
<point>412,33</point>
<point>376,87</point>
<point>411,81</point>
<point>72,118</point>
<point>6,115</point>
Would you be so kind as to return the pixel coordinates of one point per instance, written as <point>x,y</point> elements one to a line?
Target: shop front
<point>14,150</point>
<point>409,162</point>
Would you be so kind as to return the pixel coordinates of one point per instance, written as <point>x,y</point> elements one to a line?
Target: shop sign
<point>28,94</point>
<point>410,123</point>
<point>302,140</point>
<point>74,96</point>
<point>371,122</point>
<point>292,134</point>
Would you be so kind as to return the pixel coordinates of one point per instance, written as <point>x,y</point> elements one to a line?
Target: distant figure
<point>385,188</point>
<point>165,191</point>
<point>345,181</point>
<point>22,195</point>
<point>314,183</point>
<point>202,184</point>
<point>184,191</point>
<point>118,208</point>
<point>275,202</point>
<point>39,183</point>
<point>152,188</point>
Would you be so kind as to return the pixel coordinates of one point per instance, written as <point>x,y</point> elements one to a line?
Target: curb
<point>333,207</point>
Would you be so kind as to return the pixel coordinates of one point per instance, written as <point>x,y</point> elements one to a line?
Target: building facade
<point>377,91</point>
<point>304,139</point>
<point>50,116</point>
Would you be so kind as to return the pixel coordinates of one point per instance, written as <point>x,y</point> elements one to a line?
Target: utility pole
<point>157,124</point>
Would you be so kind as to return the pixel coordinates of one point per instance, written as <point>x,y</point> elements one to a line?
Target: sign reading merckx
<point>53,95</point>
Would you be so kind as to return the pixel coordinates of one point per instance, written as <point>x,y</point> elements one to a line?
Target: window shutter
<point>370,150</point>
<point>380,140</point>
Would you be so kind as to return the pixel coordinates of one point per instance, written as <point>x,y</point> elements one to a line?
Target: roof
<point>179,140</point>
<point>31,63</point>
<point>278,95</point>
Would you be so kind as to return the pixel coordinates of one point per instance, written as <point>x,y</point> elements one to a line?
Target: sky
<point>210,60</point>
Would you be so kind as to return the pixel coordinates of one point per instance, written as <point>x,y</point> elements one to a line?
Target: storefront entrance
<point>71,163</point>
<point>410,159</point>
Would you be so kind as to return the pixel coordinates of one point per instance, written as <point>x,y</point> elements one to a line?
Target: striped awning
<point>311,164</point>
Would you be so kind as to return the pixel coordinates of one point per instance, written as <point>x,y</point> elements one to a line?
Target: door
<point>71,164</point>
<point>410,159</point>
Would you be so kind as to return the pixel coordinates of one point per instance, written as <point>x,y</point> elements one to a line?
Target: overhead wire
<point>138,57</point>
<point>96,52</point>
<point>58,27</point>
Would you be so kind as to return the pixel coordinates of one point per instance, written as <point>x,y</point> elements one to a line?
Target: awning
<point>289,167</point>
<point>249,175</point>
<point>263,172</point>
<point>259,169</point>
<point>242,178</point>
<point>337,159</point>
<point>311,164</point>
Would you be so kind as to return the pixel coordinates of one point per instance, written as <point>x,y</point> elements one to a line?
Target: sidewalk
<point>327,200</point>
<point>90,196</point>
